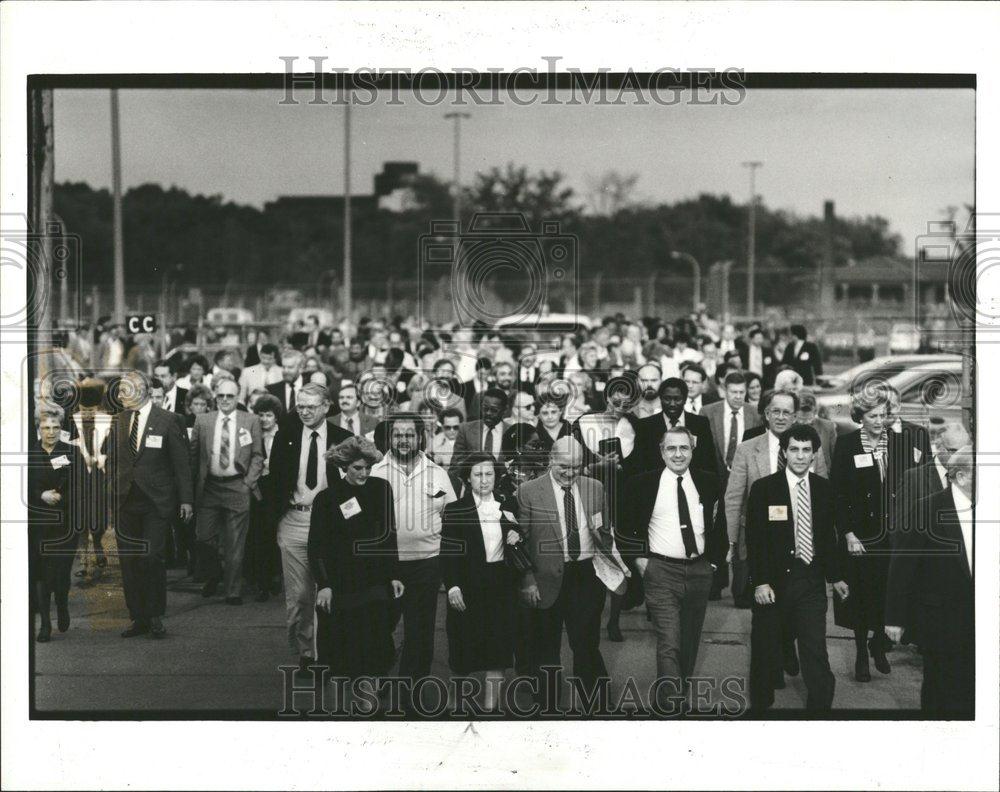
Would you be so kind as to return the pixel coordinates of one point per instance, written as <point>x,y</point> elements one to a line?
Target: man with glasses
<point>227,456</point>
<point>299,470</point>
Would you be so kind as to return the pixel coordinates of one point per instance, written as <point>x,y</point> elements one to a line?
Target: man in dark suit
<point>914,438</point>
<point>729,419</point>
<point>758,357</point>
<point>825,428</point>
<point>473,390</point>
<point>152,478</point>
<point>527,369</point>
<point>803,356</point>
<point>672,538</point>
<point>485,434</point>
<point>673,395</point>
<point>565,523</point>
<point>700,393</point>
<point>931,592</point>
<point>792,554</point>
<point>299,473</point>
<point>291,383</point>
<point>173,397</point>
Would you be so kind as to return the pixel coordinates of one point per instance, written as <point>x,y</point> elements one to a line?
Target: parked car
<point>883,367</point>
<point>296,315</point>
<point>229,316</point>
<point>904,338</point>
<point>838,337</point>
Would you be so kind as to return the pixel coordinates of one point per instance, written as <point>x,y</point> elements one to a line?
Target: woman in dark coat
<point>352,556</point>
<point>481,586</point>
<point>51,539</point>
<point>867,465</point>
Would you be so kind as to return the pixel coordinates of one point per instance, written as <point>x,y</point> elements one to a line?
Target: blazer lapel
<point>549,498</point>
<point>953,527</point>
<point>763,457</point>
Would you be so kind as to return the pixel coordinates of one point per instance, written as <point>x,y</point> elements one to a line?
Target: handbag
<point>517,558</point>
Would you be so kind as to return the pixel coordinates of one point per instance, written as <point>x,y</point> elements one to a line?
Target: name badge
<point>597,519</point>
<point>63,436</point>
<point>59,461</point>
<point>245,438</point>
<point>599,386</point>
<point>154,441</point>
<point>863,460</point>
<point>777,512</point>
<point>350,508</point>
<point>804,356</point>
<point>190,432</point>
<point>917,455</point>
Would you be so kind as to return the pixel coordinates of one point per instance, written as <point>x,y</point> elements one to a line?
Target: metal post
<point>751,241</point>
<point>116,192</point>
<point>696,269</point>
<point>456,206</point>
<point>725,289</point>
<point>41,194</point>
<point>346,304</point>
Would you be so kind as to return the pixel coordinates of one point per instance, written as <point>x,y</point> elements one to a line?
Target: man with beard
<point>650,376</point>
<point>503,374</point>
<point>420,489</point>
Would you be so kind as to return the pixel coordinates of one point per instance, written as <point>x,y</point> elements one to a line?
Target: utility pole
<point>751,241</point>
<point>41,197</point>
<point>346,303</point>
<point>457,182</point>
<point>677,255</point>
<point>116,192</point>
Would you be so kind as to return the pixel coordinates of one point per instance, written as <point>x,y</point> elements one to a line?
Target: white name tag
<point>804,356</point>
<point>863,460</point>
<point>63,436</point>
<point>917,455</point>
<point>777,512</point>
<point>190,432</point>
<point>597,519</point>
<point>599,386</point>
<point>245,438</point>
<point>350,508</point>
<point>59,461</point>
<point>154,441</point>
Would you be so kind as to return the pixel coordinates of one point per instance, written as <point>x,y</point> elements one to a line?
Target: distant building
<point>392,192</point>
<point>887,284</point>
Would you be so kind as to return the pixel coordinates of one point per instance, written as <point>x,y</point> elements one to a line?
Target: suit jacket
<point>768,363</point>
<point>751,463</point>
<point>825,428</point>
<point>539,519</point>
<point>917,484</point>
<point>718,415</point>
<point>463,552</point>
<point>771,538</point>
<point>180,400</point>
<point>865,505</point>
<point>470,438</point>
<point>916,443</point>
<point>162,470</point>
<point>930,588</point>
<point>284,463</point>
<point>248,456</point>
<point>277,390</point>
<point>368,422</point>
<point>54,471</point>
<point>651,429</point>
<point>472,399</point>
<point>632,532</point>
<point>807,363</point>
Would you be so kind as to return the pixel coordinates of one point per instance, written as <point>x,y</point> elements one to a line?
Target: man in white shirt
<point>672,538</point>
<point>730,418</point>
<point>260,375</point>
<point>699,395</point>
<point>420,490</point>
<point>288,388</point>
<point>444,441</point>
<point>930,592</point>
<point>173,396</point>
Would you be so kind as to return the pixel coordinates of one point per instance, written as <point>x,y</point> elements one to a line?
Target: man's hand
<point>894,633</point>
<point>455,599</point>
<point>731,552</point>
<point>186,511</point>
<point>841,589</point>
<point>324,599</point>
<point>513,537</point>
<point>854,546</point>
<point>531,596</point>
<point>397,589</point>
<point>51,497</point>
<point>641,564</point>
<point>764,595</point>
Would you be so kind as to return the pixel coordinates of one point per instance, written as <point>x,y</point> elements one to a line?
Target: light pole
<point>116,191</point>
<point>346,304</point>
<point>457,197</point>
<point>676,255</point>
<point>751,243</point>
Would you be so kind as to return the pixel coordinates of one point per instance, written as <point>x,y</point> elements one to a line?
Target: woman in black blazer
<point>867,466</point>
<point>352,556</point>
<point>481,586</point>
<point>51,539</point>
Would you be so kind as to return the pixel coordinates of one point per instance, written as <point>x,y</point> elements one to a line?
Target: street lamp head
<point>674,254</point>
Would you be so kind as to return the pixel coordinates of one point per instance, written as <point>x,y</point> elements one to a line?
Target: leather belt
<point>300,506</point>
<point>672,560</point>
<point>224,478</point>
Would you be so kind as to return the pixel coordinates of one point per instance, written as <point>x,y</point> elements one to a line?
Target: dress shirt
<point>443,448</point>
<point>303,496</point>
<point>942,472</point>
<point>351,423</point>
<point>170,399</point>
<point>601,426</point>
<point>669,366</point>
<point>665,523</point>
<point>488,510</point>
<point>586,545</point>
<point>727,420</point>
<point>963,506</point>
<point>773,449</point>
<point>418,512</point>
<point>798,346</point>
<point>694,405</point>
<point>680,421</point>
<point>141,415</point>
<point>285,396</point>
<point>268,438</point>
<point>756,361</point>
<point>256,377</point>
<point>216,467</point>
<point>102,425</point>
<point>496,437</point>
<point>793,494</point>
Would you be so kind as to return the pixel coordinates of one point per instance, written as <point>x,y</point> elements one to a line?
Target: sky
<point>905,154</point>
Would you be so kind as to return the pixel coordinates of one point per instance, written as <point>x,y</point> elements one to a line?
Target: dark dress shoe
<point>861,672</point>
<point>779,683</point>
<point>44,633</point>
<point>262,596</point>
<point>305,664</point>
<point>615,633</point>
<point>234,600</point>
<point>792,663</point>
<point>209,589</point>
<point>156,628</point>
<point>878,655</point>
<point>134,629</point>
<point>714,595</point>
<point>62,617</point>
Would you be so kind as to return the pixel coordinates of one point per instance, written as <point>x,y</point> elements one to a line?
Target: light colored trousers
<point>300,588</point>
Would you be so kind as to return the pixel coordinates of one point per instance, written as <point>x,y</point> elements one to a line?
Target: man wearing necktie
<point>672,538</point>
<point>227,456</point>
<point>485,434</point>
<point>564,519</point>
<point>288,389</point>
<point>792,554</point>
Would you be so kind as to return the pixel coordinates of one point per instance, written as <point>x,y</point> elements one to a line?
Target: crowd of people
<point>356,471</point>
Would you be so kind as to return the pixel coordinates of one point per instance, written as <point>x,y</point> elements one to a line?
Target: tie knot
<point>735,413</point>
<point>680,479</point>
<point>315,434</point>
<point>568,489</point>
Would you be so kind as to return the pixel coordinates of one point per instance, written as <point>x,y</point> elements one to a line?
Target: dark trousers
<point>579,606</point>
<point>262,554</point>
<point>949,686</point>
<point>800,606</point>
<point>141,533</point>
<point>421,580</point>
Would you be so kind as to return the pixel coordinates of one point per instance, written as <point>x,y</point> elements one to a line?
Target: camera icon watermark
<point>49,261</point>
<point>499,274</point>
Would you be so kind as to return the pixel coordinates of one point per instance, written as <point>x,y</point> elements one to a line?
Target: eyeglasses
<point>307,407</point>
<point>225,396</point>
<point>781,413</point>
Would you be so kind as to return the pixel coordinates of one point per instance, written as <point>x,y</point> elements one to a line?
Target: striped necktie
<point>803,524</point>
<point>224,444</point>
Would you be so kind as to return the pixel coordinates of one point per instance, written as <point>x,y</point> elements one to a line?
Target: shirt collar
<point>962,503</point>
<point>686,478</point>
<point>321,430</point>
<point>483,499</point>
<point>145,409</point>
<point>559,487</point>
<point>793,480</point>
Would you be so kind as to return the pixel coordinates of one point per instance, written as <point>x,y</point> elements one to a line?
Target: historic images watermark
<point>524,86</point>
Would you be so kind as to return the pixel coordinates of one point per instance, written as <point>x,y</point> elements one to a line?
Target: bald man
<point>565,522</point>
